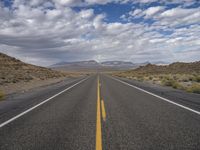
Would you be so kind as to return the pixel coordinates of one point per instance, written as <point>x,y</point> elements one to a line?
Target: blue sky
<point>44,32</point>
<point>115,10</point>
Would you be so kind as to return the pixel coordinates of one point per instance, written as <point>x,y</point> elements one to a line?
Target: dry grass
<point>187,82</point>
<point>171,82</point>
<point>194,88</point>
<point>178,75</point>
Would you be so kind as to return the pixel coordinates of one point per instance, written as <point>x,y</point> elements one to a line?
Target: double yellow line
<point>100,104</point>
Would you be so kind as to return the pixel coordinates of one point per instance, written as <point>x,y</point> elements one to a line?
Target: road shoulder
<point>188,99</point>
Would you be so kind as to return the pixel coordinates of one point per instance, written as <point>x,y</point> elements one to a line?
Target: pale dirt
<point>22,86</point>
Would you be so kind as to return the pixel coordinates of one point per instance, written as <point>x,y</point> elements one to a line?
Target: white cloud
<point>135,12</point>
<point>147,13</point>
<point>179,16</point>
<point>98,1</point>
<point>67,2</point>
<point>59,3</point>
<point>87,13</point>
<point>177,12</point>
<point>63,34</point>
<point>153,10</point>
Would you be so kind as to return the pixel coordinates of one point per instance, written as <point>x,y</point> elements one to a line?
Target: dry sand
<point>21,87</point>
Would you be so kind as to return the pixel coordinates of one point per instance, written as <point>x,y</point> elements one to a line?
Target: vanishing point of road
<point>101,112</point>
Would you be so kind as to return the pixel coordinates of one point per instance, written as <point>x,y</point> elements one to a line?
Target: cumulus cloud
<point>180,16</point>
<point>147,13</point>
<point>44,32</point>
<point>136,12</point>
<point>153,10</point>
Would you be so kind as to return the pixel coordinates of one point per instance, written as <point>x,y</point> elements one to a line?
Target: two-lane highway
<point>103,113</point>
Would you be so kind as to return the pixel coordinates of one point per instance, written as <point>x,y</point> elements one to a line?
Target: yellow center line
<point>103,110</point>
<point>98,121</point>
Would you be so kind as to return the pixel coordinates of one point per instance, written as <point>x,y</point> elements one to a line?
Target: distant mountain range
<point>92,65</point>
<point>89,63</point>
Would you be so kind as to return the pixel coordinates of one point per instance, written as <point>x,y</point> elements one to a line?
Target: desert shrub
<point>28,78</point>
<point>172,83</point>
<point>185,80</point>
<point>194,88</point>
<point>175,77</point>
<point>120,75</point>
<point>167,77</point>
<point>140,78</point>
<point>197,78</point>
<point>15,80</point>
<point>150,78</point>
<point>128,77</point>
<point>2,95</point>
<point>194,78</point>
<point>167,82</point>
<point>190,78</point>
<point>176,85</point>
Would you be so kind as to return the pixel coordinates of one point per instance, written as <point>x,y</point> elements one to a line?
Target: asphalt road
<point>97,113</point>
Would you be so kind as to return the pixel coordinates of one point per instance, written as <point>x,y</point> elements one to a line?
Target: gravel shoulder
<point>22,87</point>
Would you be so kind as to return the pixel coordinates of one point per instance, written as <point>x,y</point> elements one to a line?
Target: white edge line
<point>165,99</point>
<point>32,108</point>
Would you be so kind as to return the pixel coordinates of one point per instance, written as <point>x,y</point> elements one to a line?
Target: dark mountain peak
<point>85,62</point>
<point>89,62</point>
<point>116,62</point>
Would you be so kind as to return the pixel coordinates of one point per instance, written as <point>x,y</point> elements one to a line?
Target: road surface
<point>100,112</point>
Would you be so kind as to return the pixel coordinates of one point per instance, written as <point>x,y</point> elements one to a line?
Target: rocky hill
<point>13,70</point>
<point>174,68</point>
<point>179,75</point>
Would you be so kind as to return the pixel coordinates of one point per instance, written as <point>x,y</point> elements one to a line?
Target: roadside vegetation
<point>183,76</point>
<point>194,88</point>
<point>2,95</point>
